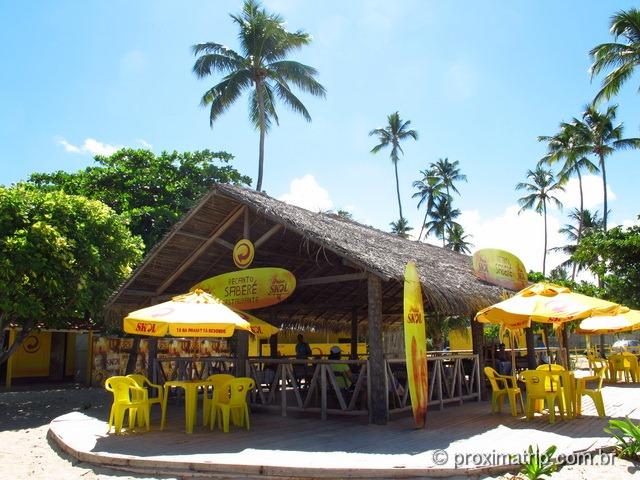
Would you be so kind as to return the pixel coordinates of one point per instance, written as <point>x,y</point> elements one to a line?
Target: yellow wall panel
<point>32,357</point>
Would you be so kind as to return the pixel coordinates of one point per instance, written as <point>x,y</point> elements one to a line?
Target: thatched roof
<point>309,244</point>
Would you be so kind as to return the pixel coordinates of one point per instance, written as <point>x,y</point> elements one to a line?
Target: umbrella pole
<point>513,353</point>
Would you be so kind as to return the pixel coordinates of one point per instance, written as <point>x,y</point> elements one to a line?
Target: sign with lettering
<point>243,253</point>
<point>501,268</point>
<point>251,288</point>
<point>415,342</point>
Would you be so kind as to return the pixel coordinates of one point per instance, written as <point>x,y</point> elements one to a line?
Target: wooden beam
<point>245,228</point>
<point>224,243</point>
<point>349,277</point>
<point>191,235</point>
<point>231,218</point>
<point>354,334</point>
<point>270,233</point>
<point>378,402</point>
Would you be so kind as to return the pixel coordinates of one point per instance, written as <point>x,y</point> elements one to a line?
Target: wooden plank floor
<point>304,441</point>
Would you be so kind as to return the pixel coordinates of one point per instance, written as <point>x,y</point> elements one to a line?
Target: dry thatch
<point>309,244</point>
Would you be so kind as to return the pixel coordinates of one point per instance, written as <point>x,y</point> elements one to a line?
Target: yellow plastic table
<point>190,400</point>
<point>568,385</point>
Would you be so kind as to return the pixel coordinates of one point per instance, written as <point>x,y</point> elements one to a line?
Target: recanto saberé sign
<point>251,288</point>
<point>501,268</point>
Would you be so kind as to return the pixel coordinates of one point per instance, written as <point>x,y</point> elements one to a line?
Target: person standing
<point>303,350</point>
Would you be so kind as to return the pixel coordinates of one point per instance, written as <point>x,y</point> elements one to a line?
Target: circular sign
<point>31,344</point>
<point>243,253</point>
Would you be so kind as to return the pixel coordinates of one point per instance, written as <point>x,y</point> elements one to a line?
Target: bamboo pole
<point>12,339</point>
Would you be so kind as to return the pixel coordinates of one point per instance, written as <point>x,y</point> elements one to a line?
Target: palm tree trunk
<point>544,256</point>
<point>604,184</point>
<point>426,214</point>
<point>580,222</point>
<point>395,165</point>
<point>260,95</point>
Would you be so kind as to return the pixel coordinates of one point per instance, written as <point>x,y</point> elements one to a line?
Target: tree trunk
<point>260,95</point>
<point>544,257</point>
<point>604,185</point>
<point>20,336</point>
<point>395,165</point>
<point>426,214</point>
<point>133,355</point>
<point>377,377</point>
<point>580,222</point>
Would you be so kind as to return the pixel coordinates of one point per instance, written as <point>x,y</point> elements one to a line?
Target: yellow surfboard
<point>499,267</point>
<point>415,340</point>
<point>251,288</point>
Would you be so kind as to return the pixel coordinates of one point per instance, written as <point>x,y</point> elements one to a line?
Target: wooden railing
<point>189,368</point>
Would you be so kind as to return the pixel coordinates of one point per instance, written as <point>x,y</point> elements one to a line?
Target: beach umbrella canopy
<point>625,322</point>
<point>546,303</point>
<point>261,329</point>
<point>194,314</point>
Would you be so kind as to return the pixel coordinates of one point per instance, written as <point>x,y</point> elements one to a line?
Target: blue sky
<point>479,81</point>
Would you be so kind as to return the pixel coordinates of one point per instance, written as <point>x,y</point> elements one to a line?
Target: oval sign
<point>243,253</point>
<point>501,268</point>
<point>252,288</point>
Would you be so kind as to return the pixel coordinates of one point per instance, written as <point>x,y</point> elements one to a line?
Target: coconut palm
<point>449,174</point>
<point>597,135</point>
<point>430,190</point>
<point>442,219</point>
<point>457,240</point>
<point>541,188</point>
<point>401,227</point>
<point>395,132</point>
<point>623,57</point>
<point>586,223</point>
<point>261,67</point>
<point>566,145</point>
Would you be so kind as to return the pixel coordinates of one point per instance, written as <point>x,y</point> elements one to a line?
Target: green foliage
<point>615,257</point>
<point>401,228</point>
<point>439,326</point>
<point>627,434</point>
<point>539,465</point>
<point>61,256</point>
<point>152,191</point>
<point>583,287</point>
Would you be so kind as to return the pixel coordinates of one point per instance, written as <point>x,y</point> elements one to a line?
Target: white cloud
<point>592,192</point>
<point>522,235</point>
<point>630,223</point>
<point>90,145</point>
<point>306,193</point>
<point>144,143</point>
<point>460,81</point>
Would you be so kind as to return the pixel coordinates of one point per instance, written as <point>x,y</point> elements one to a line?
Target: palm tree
<point>622,57</point>
<point>566,145</point>
<point>449,173</point>
<point>262,67</point>
<point>391,135</point>
<point>401,227</point>
<point>597,135</point>
<point>442,219</point>
<point>588,222</point>
<point>457,240</point>
<point>541,191</point>
<point>430,190</point>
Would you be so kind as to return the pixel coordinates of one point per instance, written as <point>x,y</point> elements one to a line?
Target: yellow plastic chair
<point>600,368</point>
<point>145,383</point>
<point>127,397</point>
<point>503,386</point>
<point>233,403</point>
<point>535,381</point>
<point>627,365</point>
<point>219,380</point>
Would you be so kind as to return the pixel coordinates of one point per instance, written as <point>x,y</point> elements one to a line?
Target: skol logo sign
<point>243,253</point>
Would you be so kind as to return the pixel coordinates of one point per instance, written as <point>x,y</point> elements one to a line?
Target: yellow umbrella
<point>625,322</point>
<point>195,314</point>
<point>259,328</point>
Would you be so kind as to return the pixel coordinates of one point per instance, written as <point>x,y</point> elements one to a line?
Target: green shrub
<point>628,435</point>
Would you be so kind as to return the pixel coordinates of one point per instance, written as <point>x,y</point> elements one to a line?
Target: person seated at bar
<point>303,352</point>
<point>502,360</point>
<point>342,372</point>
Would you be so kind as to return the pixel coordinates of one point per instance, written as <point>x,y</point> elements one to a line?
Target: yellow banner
<point>415,341</point>
<point>501,268</point>
<point>251,288</point>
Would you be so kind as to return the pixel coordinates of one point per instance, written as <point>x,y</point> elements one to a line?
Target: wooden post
<point>531,348</point>
<point>379,411</point>
<point>89,357</point>
<point>273,346</point>
<point>242,353</point>
<point>477,343</point>
<point>354,334</point>
<point>12,339</point>
<point>152,342</point>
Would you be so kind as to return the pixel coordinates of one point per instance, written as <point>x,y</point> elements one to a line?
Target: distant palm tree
<point>391,135</point>
<point>449,173</point>
<point>430,190</point>
<point>401,227</point>
<point>457,240</point>
<point>622,57</point>
<point>262,67</point>
<point>541,188</point>
<point>597,135</point>
<point>442,219</point>
<point>565,145</point>
<point>589,222</point>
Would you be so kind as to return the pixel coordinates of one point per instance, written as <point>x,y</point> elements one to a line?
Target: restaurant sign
<point>243,253</point>
<point>251,288</point>
<point>499,267</point>
<point>415,340</point>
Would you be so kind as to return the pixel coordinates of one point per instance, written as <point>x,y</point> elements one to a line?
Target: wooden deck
<point>344,447</point>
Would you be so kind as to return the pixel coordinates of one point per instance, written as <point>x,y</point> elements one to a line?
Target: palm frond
<point>221,96</point>
<point>291,100</point>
